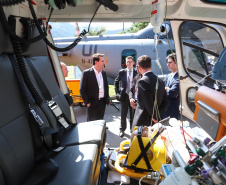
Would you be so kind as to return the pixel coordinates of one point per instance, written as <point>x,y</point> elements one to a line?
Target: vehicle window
<point>126,53</point>
<point>215,1</point>
<point>201,46</point>
<point>169,51</point>
<point>191,98</point>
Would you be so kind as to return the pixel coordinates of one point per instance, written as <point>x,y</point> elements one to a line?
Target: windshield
<point>201,46</point>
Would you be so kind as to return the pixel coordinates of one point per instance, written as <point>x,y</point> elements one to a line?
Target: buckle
<point>63,122</point>
<point>55,108</point>
<point>37,117</point>
<point>57,112</point>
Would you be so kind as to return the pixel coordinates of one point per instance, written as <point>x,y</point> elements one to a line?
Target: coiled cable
<point>27,79</point>
<point>76,41</point>
<point>13,34</point>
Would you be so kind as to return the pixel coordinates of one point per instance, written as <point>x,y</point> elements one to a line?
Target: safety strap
<point>45,131</point>
<point>60,116</point>
<point>133,167</point>
<point>143,152</point>
<point>48,168</point>
<point>136,169</point>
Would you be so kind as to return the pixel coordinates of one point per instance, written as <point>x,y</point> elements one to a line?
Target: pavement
<point>113,118</point>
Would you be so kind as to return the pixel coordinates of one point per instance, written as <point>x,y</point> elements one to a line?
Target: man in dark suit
<point>94,89</point>
<point>172,88</point>
<point>134,90</point>
<point>151,103</point>
<point>123,83</point>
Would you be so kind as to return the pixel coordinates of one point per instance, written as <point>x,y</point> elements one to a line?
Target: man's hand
<point>118,96</point>
<point>88,105</point>
<point>167,88</point>
<point>132,103</point>
<point>154,120</point>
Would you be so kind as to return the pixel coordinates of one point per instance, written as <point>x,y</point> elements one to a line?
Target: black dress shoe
<point>121,134</point>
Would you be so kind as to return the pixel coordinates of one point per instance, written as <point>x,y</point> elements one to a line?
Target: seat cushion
<point>87,131</point>
<point>76,165</point>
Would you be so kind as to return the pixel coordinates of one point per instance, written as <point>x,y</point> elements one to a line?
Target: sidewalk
<point>112,117</point>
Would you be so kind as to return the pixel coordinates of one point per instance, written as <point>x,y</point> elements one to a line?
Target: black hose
<point>47,41</point>
<point>109,4</point>
<point>23,69</point>
<point>13,34</point>
<point>10,2</point>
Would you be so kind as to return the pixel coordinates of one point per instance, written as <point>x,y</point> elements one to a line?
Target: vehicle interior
<point>41,142</point>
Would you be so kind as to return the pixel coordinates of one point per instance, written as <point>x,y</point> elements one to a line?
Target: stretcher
<point>144,155</point>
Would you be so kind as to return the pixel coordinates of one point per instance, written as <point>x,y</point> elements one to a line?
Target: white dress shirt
<point>100,82</point>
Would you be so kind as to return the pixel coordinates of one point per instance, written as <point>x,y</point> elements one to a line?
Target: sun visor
<point>219,71</point>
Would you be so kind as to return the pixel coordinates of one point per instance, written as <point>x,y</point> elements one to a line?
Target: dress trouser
<point>125,105</point>
<point>96,112</point>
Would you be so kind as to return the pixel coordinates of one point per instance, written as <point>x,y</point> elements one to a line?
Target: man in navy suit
<point>152,102</point>
<point>94,89</point>
<point>123,84</point>
<point>172,87</point>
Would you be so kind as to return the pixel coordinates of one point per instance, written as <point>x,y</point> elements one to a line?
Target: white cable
<point>203,79</point>
<point>141,179</point>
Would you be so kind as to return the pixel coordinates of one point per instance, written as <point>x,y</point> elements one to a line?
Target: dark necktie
<point>128,82</point>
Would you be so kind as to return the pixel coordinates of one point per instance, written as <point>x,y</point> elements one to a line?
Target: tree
<point>135,27</point>
<point>97,31</point>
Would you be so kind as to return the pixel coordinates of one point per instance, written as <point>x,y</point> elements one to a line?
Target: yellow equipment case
<point>145,155</point>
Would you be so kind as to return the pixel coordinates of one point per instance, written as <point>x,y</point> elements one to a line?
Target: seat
<point>43,67</point>
<point>210,112</point>
<point>80,163</point>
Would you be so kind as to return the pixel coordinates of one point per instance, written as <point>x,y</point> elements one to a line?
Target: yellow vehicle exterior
<point>73,86</point>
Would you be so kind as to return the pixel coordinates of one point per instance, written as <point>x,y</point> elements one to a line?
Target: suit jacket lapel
<point>93,76</point>
<point>124,76</point>
<point>104,79</point>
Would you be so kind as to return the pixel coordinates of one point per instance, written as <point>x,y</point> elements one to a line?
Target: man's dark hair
<point>96,57</point>
<point>172,56</point>
<point>130,57</point>
<point>144,62</point>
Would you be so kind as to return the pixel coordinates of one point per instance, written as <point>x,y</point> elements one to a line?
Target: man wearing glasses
<point>172,88</point>
<point>123,84</point>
